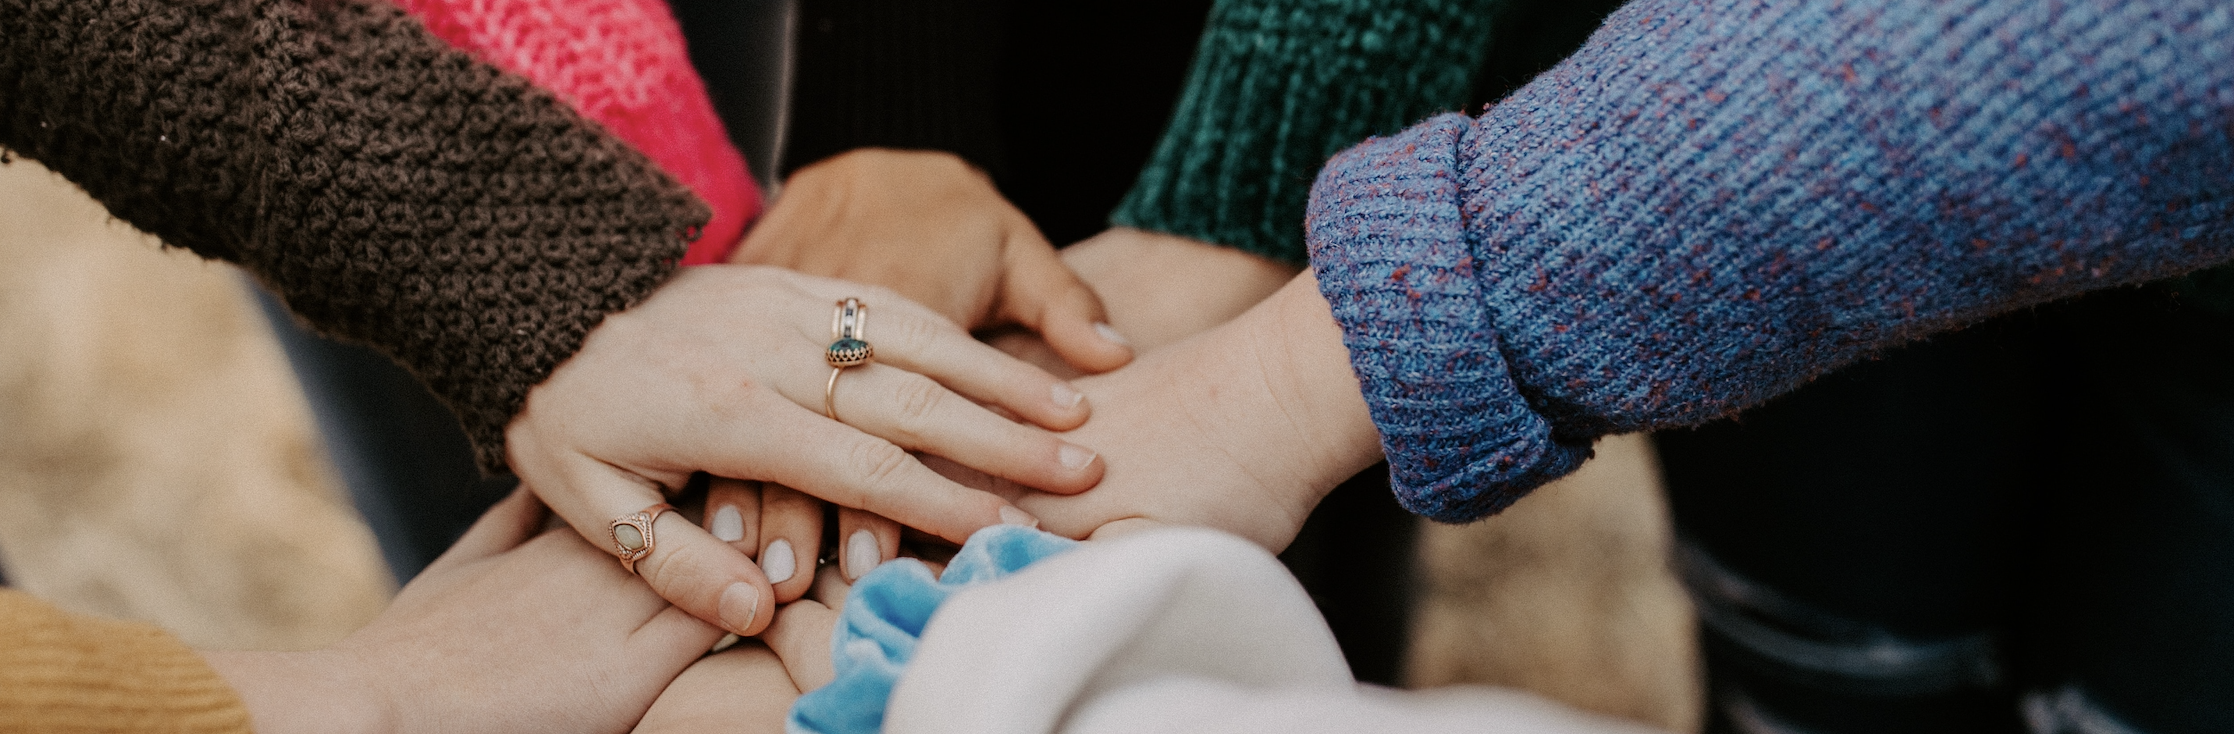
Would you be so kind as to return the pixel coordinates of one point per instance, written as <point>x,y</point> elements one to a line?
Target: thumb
<point>1042,294</point>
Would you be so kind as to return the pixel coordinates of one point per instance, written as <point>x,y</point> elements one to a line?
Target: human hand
<point>508,631</point>
<point>741,690</point>
<point>931,227</point>
<point>750,687</point>
<point>781,527</point>
<point>1243,428</point>
<point>1158,289</point>
<point>722,371</point>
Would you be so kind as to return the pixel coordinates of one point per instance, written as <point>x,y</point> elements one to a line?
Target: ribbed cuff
<point>62,672</point>
<point>910,74</point>
<point>1278,86</point>
<point>1389,246</point>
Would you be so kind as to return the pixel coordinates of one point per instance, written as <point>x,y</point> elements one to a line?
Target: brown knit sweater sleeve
<point>392,190</point>
<point>62,672</point>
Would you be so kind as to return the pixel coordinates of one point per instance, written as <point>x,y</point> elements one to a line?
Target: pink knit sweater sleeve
<point>623,64</point>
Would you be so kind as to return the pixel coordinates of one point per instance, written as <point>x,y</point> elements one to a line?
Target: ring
<point>847,325</point>
<point>632,535</point>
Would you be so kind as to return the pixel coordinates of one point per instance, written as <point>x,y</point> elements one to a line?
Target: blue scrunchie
<point>884,616</point>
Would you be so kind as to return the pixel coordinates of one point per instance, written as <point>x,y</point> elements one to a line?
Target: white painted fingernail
<point>729,525</point>
<point>1013,516</point>
<point>1065,396</point>
<point>1074,457</point>
<point>779,562</point>
<point>739,604</point>
<point>861,554</point>
<point>1110,333</point>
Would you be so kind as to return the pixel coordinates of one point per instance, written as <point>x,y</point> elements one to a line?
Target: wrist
<point>1161,288</point>
<point>1308,375</point>
<point>307,691</point>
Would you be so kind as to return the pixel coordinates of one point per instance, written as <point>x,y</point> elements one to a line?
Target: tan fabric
<point>61,672</point>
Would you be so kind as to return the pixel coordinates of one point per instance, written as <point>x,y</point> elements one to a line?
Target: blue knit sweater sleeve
<point>1715,201</point>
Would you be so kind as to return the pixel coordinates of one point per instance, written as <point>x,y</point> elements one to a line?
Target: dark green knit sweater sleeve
<point>1277,86</point>
<point>392,190</point>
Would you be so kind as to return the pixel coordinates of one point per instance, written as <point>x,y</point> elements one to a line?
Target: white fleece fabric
<point>1173,630</point>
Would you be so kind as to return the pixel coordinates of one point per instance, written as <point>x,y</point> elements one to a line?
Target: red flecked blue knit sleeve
<point>1715,201</point>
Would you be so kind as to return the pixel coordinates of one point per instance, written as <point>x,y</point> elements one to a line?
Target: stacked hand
<point>723,371</point>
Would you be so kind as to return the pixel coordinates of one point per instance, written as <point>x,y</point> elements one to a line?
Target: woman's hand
<point>722,371</point>
<point>741,690</point>
<point>508,631</point>
<point>749,688</point>
<point>1243,428</point>
<point>928,225</point>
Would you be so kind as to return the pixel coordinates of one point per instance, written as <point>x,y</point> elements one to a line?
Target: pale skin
<point>1242,425</point>
<point>721,371</point>
<point>492,637</point>
<point>931,227</point>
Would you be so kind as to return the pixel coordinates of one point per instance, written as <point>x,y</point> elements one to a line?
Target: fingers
<point>733,514</point>
<point>801,638</point>
<point>785,444</point>
<point>685,565</point>
<point>1040,293</point>
<point>865,540</point>
<point>791,527</point>
<point>670,639</point>
<point>507,524</point>
<point>919,414</point>
<point>913,338</point>
<point>706,577</point>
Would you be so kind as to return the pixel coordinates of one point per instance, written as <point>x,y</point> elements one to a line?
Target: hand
<point>741,690</point>
<point>1159,289</point>
<point>750,687</point>
<point>782,528</point>
<point>1243,428</point>
<point>722,371</point>
<point>926,224</point>
<point>497,635</point>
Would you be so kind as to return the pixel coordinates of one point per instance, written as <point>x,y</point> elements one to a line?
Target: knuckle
<point>878,466</point>
<point>916,335</point>
<point>916,400</point>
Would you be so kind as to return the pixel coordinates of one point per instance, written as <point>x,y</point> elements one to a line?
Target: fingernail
<point>1110,333</point>
<point>861,554</point>
<point>779,562</point>
<point>739,603</point>
<point>1013,516</point>
<point>1074,457</point>
<point>729,525</point>
<point>1065,396</point>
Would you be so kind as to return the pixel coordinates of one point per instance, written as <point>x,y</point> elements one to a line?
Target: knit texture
<point>392,190</point>
<point>911,74</point>
<point>621,63</point>
<point>65,673</point>
<point>1279,85</point>
<point>1715,201</point>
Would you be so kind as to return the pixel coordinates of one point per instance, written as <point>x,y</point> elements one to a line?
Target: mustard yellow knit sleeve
<point>61,672</point>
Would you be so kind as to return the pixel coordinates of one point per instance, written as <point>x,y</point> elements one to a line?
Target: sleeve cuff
<point>1388,242</point>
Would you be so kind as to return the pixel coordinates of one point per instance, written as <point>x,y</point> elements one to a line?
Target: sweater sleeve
<point>62,672</point>
<point>1715,201</point>
<point>390,189</point>
<point>896,74</point>
<point>1279,85</point>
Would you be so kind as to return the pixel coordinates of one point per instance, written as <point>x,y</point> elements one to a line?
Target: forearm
<point>389,188</point>
<point>307,691</point>
<point>1276,86</point>
<point>1717,200</point>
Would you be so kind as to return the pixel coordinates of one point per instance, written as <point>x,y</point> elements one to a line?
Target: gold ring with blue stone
<point>847,349</point>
